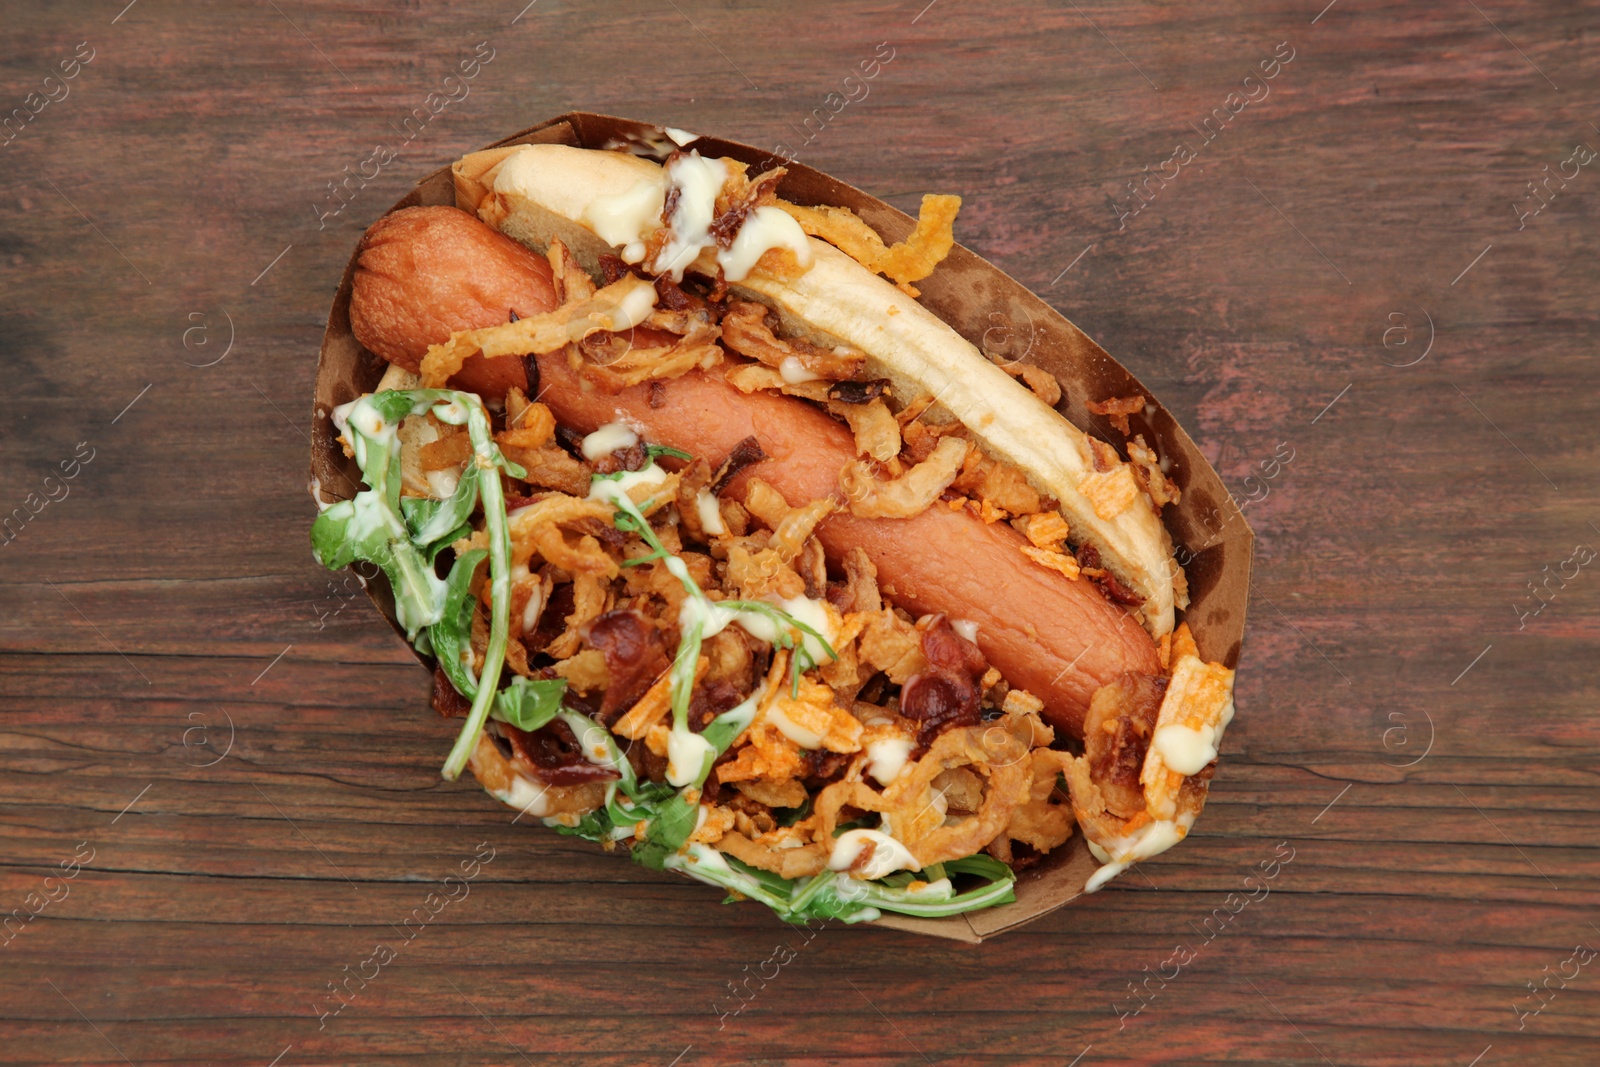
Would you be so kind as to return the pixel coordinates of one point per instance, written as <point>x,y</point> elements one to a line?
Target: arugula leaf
<point>451,636</point>
<point>671,826</point>
<point>529,703</point>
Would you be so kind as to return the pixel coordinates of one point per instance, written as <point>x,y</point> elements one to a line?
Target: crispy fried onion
<point>1122,784</point>
<point>619,306</point>
<point>791,527</point>
<point>876,430</point>
<point>912,492</point>
<point>911,260</point>
<point>1117,409</point>
<point>1152,479</point>
<point>529,440</point>
<point>917,814</point>
<point>514,784</point>
<point>748,329</point>
<point>780,851</point>
<point>1040,821</point>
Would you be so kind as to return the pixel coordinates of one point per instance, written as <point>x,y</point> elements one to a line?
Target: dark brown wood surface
<point>1340,275</point>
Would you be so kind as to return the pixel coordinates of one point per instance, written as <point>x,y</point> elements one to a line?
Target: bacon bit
<point>946,694</point>
<point>858,392</point>
<point>746,453</point>
<point>739,197</point>
<point>612,268</point>
<point>555,756</point>
<point>1117,409</point>
<point>1103,456</point>
<point>634,656</point>
<point>631,458</point>
<point>674,297</point>
<point>446,701</point>
<point>1056,561</point>
<point>1110,584</point>
<point>1110,493</point>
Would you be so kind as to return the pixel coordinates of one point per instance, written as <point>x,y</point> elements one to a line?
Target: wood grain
<point>1253,292</point>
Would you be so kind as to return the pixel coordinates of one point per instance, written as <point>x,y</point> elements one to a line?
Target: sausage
<point>1058,639</point>
<point>425,272</point>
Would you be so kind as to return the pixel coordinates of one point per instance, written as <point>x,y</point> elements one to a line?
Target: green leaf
<point>451,636</point>
<point>432,521</point>
<point>529,703</point>
<point>667,450</point>
<point>594,826</point>
<point>674,821</point>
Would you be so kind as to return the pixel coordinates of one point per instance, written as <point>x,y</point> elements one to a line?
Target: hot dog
<point>1060,640</point>
<point>879,487</point>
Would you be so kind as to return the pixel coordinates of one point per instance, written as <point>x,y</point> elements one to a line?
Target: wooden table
<point>233,755</point>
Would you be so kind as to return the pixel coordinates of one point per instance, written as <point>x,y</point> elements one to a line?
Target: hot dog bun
<point>535,193</point>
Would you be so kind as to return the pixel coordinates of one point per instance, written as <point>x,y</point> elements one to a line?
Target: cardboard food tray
<point>994,312</point>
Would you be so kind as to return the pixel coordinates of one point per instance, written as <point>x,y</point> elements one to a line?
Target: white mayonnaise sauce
<point>636,306</point>
<point>698,181</point>
<point>888,855</point>
<point>801,736</point>
<point>1185,749</point>
<point>611,490</point>
<point>794,372</point>
<point>887,756</point>
<point>1152,839</point>
<point>629,217</point>
<point>687,753</point>
<point>966,628</point>
<point>531,610</point>
<point>527,796</point>
<point>607,439</point>
<point>710,512</point>
<point>765,228</point>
